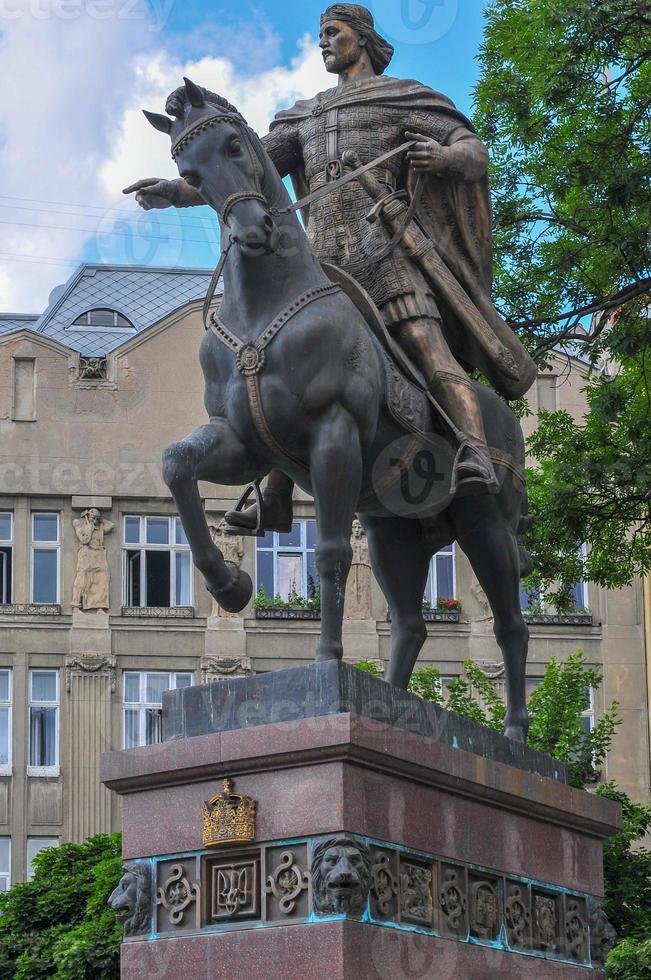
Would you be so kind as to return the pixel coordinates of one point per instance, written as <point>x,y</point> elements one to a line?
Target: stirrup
<point>246,532</point>
<point>486,483</point>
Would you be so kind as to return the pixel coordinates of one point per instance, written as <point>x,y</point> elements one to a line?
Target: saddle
<point>408,399</point>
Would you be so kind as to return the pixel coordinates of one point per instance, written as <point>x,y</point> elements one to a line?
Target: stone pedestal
<point>392,840</point>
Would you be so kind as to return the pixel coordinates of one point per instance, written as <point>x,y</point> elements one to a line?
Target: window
<point>6,555</point>
<point>285,563</point>
<point>157,562</point>
<point>5,722</point>
<point>441,578</point>
<point>45,558</point>
<point>5,864</point>
<point>34,846</point>
<point>43,723</point>
<point>143,704</point>
<point>102,319</point>
<point>579,589</point>
<point>531,601</point>
<point>587,715</point>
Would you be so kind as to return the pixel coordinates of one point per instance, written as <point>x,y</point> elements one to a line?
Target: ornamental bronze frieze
<point>345,876</point>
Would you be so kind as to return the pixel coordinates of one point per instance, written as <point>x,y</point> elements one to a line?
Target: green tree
<point>58,924</point>
<point>563,104</point>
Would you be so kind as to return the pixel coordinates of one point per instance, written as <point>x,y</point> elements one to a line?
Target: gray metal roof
<point>143,294</point>
<point>16,321</point>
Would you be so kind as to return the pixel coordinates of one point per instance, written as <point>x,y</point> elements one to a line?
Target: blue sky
<point>69,146</point>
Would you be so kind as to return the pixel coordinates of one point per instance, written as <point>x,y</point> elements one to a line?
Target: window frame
<point>142,706</point>
<point>277,550</point>
<point>51,842</point>
<point>143,546</point>
<point>8,543</point>
<point>6,875</point>
<point>6,768</point>
<point>431,595</point>
<point>45,546</point>
<point>54,769</point>
<point>101,328</point>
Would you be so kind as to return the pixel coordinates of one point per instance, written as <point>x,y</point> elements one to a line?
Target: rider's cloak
<point>454,213</point>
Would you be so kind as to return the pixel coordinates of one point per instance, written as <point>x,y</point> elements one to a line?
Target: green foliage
<point>58,924</point>
<point>295,601</point>
<point>630,960</point>
<point>627,869</point>
<point>555,709</point>
<point>563,105</point>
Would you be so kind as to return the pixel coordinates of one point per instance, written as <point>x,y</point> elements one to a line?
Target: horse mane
<point>178,101</point>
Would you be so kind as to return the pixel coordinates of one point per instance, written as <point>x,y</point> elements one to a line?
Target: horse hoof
<point>237,594</point>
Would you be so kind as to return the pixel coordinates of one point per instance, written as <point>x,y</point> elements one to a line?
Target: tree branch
<point>630,292</point>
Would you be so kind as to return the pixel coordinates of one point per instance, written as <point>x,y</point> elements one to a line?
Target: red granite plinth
<point>333,951</point>
<point>419,799</point>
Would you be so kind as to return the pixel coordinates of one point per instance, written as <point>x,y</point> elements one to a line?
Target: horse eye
<point>235,147</point>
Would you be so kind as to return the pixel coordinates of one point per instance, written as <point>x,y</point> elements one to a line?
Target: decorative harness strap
<point>250,357</point>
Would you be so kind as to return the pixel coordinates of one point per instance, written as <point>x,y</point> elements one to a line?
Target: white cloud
<point>71,130</point>
<point>141,151</point>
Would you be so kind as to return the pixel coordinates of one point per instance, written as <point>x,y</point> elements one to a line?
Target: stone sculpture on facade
<point>394,317</point>
<point>341,876</point>
<point>603,935</point>
<point>232,548</point>
<point>358,587</point>
<point>91,586</point>
<point>132,899</point>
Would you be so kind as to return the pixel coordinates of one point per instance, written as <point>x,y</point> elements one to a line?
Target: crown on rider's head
<point>361,20</point>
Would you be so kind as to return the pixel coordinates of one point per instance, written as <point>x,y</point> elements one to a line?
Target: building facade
<point>101,609</point>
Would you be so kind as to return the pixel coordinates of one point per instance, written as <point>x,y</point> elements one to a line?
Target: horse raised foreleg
<point>400,562</point>
<point>212,452</point>
<point>494,555</point>
<point>336,472</point>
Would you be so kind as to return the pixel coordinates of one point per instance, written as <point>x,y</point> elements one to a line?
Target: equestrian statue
<point>340,355</point>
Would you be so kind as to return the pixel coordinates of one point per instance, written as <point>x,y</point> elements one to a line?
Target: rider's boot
<point>473,470</point>
<point>277,511</point>
<point>423,340</point>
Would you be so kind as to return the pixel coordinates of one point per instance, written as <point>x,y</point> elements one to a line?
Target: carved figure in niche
<point>544,921</point>
<point>232,548</point>
<point>358,587</point>
<point>416,893</point>
<point>91,586</point>
<point>131,899</point>
<point>341,876</point>
<point>603,935</point>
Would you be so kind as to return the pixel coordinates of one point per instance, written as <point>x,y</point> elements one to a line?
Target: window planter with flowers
<point>445,611</point>
<point>294,607</point>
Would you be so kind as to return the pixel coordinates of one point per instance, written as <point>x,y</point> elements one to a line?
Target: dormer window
<point>104,319</point>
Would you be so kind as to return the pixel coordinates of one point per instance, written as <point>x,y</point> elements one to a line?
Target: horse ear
<point>160,122</point>
<point>195,95</point>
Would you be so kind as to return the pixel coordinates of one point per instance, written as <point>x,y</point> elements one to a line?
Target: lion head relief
<point>131,899</point>
<point>341,876</point>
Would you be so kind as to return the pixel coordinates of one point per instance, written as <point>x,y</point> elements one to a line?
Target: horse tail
<point>524,524</point>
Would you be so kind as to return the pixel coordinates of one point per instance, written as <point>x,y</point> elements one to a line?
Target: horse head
<point>216,152</point>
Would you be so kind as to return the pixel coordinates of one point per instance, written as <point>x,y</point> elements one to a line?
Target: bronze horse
<point>295,379</point>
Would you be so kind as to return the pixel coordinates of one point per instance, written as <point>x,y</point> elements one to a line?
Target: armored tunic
<point>337,226</point>
<point>371,117</point>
